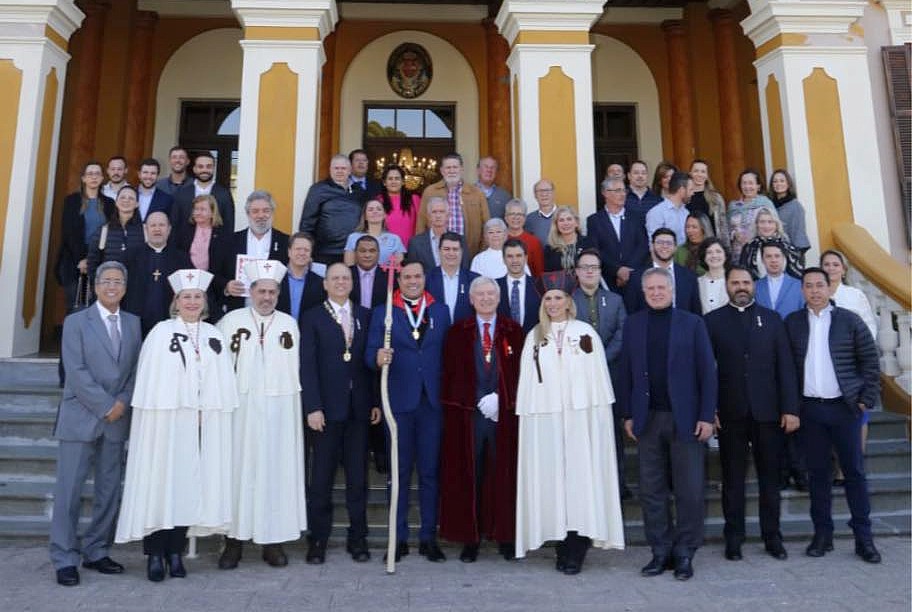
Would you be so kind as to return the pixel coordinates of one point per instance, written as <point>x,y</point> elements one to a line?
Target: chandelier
<point>419,171</point>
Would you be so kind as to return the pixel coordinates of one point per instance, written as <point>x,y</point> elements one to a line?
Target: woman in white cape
<point>179,463</point>
<point>567,487</point>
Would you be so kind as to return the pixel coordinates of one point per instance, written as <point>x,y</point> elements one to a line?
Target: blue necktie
<point>514,302</point>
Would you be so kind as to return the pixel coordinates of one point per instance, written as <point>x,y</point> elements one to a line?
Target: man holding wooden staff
<point>419,327</point>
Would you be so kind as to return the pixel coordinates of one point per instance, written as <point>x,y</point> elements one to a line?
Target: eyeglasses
<point>543,190</point>
<point>589,268</point>
<point>110,282</point>
<point>620,190</point>
<point>664,242</point>
<point>515,214</point>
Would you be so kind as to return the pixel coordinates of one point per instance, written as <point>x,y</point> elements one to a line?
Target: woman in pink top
<point>400,204</point>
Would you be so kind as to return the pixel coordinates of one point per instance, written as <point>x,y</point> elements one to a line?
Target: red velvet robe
<point>457,458</point>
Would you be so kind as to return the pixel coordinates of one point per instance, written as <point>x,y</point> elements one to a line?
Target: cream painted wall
<point>620,75</point>
<point>207,66</point>
<point>453,82</point>
<point>877,35</point>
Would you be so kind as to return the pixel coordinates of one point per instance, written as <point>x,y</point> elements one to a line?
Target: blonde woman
<point>565,241</point>
<point>768,228</point>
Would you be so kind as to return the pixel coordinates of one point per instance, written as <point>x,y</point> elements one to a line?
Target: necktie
<point>514,302</point>
<point>367,288</point>
<point>486,344</point>
<point>115,335</point>
<point>346,323</point>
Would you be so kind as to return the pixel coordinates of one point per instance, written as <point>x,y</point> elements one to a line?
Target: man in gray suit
<point>99,351</point>
<point>604,310</point>
<point>497,196</point>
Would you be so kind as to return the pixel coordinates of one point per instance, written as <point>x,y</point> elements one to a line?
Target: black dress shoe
<point>683,568</point>
<point>469,553</point>
<point>733,552</point>
<point>572,567</point>
<point>626,494</point>
<point>231,556</point>
<point>316,552</point>
<point>820,545</point>
<point>105,565</point>
<point>839,482</point>
<point>68,576</point>
<point>775,549</point>
<point>274,555</point>
<point>866,551</point>
<point>560,562</point>
<point>402,549</point>
<point>800,480</point>
<point>155,568</point>
<point>655,567</point>
<point>431,551</point>
<point>176,567</point>
<point>358,550</point>
<point>507,550</point>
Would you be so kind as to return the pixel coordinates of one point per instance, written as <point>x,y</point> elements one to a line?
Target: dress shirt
<point>775,284</point>
<point>337,309</point>
<point>435,245</point>
<point>819,373</point>
<point>666,214</point>
<point>145,201</point>
<point>450,290</point>
<point>104,313</point>
<point>259,247</point>
<point>367,278</point>
<point>616,221</point>
<point>486,190</point>
<point>295,291</point>
<point>111,190</point>
<point>199,190</point>
<point>522,295</point>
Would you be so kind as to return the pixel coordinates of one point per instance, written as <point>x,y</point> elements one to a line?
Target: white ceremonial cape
<point>268,499</point>
<point>567,471</point>
<point>179,460</point>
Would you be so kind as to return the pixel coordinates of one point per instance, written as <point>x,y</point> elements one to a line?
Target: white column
<point>33,40</point>
<point>545,36</point>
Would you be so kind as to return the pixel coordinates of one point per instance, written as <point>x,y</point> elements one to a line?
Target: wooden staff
<point>391,268</point>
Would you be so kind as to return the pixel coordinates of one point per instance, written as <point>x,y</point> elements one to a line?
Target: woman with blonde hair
<point>565,241</point>
<point>706,199</point>
<point>740,215</point>
<point>768,228</point>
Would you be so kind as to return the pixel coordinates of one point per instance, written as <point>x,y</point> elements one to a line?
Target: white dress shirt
<point>259,247</point>
<point>775,285</point>
<point>450,290</point>
<point>819,373</point>
<point>489,263</point>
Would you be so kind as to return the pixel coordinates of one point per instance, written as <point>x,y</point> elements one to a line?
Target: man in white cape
<point>268,452</point>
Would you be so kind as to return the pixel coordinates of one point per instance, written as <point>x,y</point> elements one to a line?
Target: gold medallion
<point>416,334</point>
<point>346,356</point>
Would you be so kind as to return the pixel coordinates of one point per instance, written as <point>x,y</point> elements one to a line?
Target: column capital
<point>145,20</point>
<point>771,18</point>
<point>61,15</point>
<point>516,16</point>
<point>320,15</point>
<point>721,16</point>
<point>673,28</point>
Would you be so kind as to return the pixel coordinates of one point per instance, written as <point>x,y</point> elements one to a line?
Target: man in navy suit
<point>758,400</point>
<point>519,296</point>
<point>368,279</point>
<point>364,186</point>
<point>667,390</point>
<point>150,197</point>
<point>302,288</point>
<point>686,295</point>
<point>839,376</point>
<point>449,282</point>
<point>340,400</point>
<point>259,241</point>
<point>420,325</point>
<point>777,290</point>
<point>203,183</point>
<point>619,234</point>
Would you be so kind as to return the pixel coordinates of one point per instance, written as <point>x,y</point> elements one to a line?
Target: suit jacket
<point>378,291</point>
<point>419,248</point>
<point>94,378</point>
<point>161,202</point>
<point>182,207</point>
<point>463,308</point>
<point>692,381</point>
<point>342,389</point>
<point>789,299</point>
<point>612,316</point>
<point>313,295</point>
<point>852,350</point>
<point>687,292</point>
<point>373,189</point>
<point>532,302</point>
<point>223,267</point>
<point>757,373</point>
<point>140,271</point>
<point>183,238</point>
<point>631,250</point>
<point>73,247</point>
<point>416,364</point>
<point>474,210</point>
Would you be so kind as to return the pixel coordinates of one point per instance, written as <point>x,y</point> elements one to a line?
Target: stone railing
<point>888,286</point>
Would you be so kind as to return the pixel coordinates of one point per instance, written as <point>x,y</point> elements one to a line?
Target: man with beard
<point>466,204</point>
<point>151,198</point>
<point>414,358</point>
<point>640,197</point>
<point>117,176</point>
<point>259,241</point>
<point>268,498</point>
<point>149,294</point>
<point>178,160</point>
<point>758,401</point>
<point>203,184</point>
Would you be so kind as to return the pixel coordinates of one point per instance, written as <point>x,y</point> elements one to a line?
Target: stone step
<point>29,400</point>
<point>29,371</point>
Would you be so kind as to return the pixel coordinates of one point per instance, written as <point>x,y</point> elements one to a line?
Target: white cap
<point>190,279</point>
<point>262,269</point>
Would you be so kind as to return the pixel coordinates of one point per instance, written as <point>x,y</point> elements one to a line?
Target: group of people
<point>520,352</point>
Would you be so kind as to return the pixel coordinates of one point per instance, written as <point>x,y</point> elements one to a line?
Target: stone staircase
<point>28,405</point>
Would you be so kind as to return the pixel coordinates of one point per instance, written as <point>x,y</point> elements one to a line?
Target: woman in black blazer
<point>123,233</point>
<point>84,211</point>
<point>565,242</point>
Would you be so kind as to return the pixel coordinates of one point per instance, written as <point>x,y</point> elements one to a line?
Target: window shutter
<point>897,65</point>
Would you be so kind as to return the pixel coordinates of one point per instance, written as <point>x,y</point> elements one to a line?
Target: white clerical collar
<point>741,308</point>
<point>157,249</point>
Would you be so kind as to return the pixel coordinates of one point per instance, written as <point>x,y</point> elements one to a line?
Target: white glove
<point>489,406</point>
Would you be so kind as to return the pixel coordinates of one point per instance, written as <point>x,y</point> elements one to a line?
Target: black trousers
<point>166,542</point>
<point>765,442</point>
<point>485,444</point>
<point>345,440</point>
<point>660,451</point>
